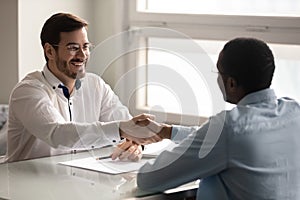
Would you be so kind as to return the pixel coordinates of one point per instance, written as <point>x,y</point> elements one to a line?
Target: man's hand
<point>141,129</point>
<point>164,131</point>
<point>127,150</point>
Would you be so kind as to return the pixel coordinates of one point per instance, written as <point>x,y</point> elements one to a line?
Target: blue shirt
<point>255,155</point>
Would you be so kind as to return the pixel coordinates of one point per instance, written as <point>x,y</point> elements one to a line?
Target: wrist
<point>166,131</point>
<point>121,133</point>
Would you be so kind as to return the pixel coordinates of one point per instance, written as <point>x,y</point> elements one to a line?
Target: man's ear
<point>49,51</point>
<point>231,84</point>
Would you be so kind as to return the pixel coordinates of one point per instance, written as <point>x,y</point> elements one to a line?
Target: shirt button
<point>114,141</point>
<point>53,87</point>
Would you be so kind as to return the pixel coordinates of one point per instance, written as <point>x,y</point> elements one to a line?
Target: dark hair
<point>57,23</point>
<point>250,61</point>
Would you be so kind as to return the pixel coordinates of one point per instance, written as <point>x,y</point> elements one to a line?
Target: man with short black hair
<point>249,152</point>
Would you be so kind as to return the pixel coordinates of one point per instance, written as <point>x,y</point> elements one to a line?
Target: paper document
<point>106,165</point>
<point>152,150</point>
<point>116,166</point>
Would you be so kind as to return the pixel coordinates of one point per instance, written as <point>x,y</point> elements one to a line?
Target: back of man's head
<point>250,61</point>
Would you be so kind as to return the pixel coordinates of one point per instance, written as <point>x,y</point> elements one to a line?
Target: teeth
<point>77,64</point>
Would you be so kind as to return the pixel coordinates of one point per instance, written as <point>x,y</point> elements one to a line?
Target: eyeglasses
<point>74,48</point>
<point>215,70</point>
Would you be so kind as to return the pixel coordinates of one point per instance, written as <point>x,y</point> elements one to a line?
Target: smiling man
<point>63,108</point>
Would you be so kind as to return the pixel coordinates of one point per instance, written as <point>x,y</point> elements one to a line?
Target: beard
<point>64,67</point>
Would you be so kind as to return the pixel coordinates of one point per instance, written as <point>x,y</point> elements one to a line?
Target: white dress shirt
<point>255,157</point>
<point>40,114</point>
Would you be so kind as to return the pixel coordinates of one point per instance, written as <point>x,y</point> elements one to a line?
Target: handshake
<point>140,130</point>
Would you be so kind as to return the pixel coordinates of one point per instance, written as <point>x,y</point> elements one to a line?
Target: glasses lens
<point>90,47</point>
<point>214,69</point>
<point>74,48</point>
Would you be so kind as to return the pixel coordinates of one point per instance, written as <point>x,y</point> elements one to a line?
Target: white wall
<point>9,46</point>
<point>110,19</point>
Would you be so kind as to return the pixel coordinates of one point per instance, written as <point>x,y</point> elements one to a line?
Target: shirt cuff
<point>180,132</point>
<point>111,131</point>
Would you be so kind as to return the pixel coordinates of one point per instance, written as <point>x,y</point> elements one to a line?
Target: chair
<point>3,128</point>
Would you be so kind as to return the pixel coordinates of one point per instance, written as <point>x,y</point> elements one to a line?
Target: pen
<point>103,157</point>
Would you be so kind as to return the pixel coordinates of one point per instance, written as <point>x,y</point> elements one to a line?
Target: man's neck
<point>67,81</point>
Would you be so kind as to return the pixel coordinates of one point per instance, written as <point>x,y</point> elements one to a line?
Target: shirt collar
<point>258,97</point>
<point>52,80</point>
<point>55,82</point>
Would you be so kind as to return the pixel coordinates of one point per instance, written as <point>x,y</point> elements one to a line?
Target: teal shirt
<point>255,155</point>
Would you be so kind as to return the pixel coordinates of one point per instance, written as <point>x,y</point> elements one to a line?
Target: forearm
<point>183,163</point>
<point>168,170</point>
<point>84,134</point>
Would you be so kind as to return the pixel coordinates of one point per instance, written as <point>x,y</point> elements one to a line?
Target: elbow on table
<point>144,182</point>
<point>148,182</point>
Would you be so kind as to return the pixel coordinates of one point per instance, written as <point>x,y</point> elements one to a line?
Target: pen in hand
<point>127,150</point>
<point>103,157</point>
<point>109,156</point>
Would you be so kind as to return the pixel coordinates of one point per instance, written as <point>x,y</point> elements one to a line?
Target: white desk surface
<point>44,178</point>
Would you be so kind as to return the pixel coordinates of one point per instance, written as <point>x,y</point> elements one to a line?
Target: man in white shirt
<point>249,152</point>
<point>63,108</point>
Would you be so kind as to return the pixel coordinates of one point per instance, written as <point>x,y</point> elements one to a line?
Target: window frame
<point>202,26</point>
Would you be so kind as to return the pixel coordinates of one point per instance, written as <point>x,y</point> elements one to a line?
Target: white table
<point>45,179</point>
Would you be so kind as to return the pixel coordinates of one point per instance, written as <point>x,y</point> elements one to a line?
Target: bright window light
<point>287,72</point>
<point>289,8</point>
<point>162,97</point>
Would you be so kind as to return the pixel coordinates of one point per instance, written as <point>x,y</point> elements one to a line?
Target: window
<point>181,86</point>
<point>209,24</point>
<point>287,71</point>
<point>217,7</point>
<point>285,81</point>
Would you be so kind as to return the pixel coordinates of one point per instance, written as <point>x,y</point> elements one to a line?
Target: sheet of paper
<point>152,150</point>
<point>106,165</point>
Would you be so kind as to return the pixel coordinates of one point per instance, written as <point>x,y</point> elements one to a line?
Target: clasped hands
<point>140,130</point>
